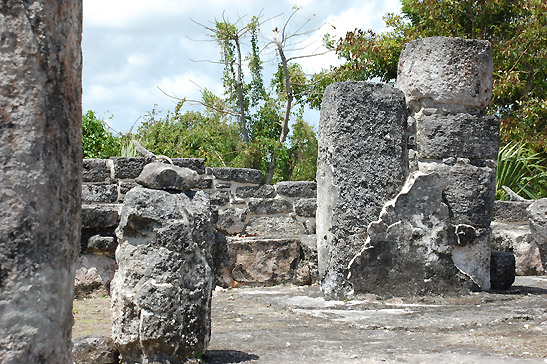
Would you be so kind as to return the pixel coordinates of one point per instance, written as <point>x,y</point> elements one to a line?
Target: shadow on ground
<point>228,357</point>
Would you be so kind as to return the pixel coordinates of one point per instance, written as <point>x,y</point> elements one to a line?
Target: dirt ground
<point>287,324</point>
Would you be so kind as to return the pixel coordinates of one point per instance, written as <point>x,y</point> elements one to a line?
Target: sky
<point>135,51</point>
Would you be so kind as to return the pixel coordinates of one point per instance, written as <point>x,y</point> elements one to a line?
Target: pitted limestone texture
<point>40,183</point>
<point>161,293</point>
<point>469,190</point>
<point>458,135</point>
<point>162,176</point>
<point>453,71</point>
<point>537,214</point>
<point>409,249</point>
<point>362,163</point>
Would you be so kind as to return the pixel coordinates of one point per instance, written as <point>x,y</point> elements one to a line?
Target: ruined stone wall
<point>256,219</point>
<point>412,216</point>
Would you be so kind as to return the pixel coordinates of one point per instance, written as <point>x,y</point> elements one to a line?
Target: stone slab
<point>458,135</point>
<point>243,175</point>
<point>96,170</point>
<point>270,206</point>
<point>305,189</point>
<point>97,192</point>
<point>511,210</point>
<point>262,191</point>
<point>275,227</point>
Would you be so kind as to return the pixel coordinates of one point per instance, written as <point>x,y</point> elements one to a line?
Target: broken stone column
<point>161,293</point>
<point>40,177</point>
<point>361,165</point>
<point>447,83</point>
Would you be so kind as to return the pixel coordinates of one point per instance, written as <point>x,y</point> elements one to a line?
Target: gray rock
<point>219,198</point>
<point>502,270</point>
<point>459,135</point>
<point>469,191</point>
<point>223,185</point>
<point>124,187</point>
<point>270,206</point>
<point>511,210</point>
<point>101,244</point>
<point>262,191</point>
<point>231,221</point>
<point>204,183</point>
<point>447,70</point>
<point>96,192</point>
<point>515,237</point>
<point>255,261</point>
<point>305,207</point>
<point>100,216</point>
<point>41,176</point>
<point>297,188</point>
<point>196,164</point>
<point>361,164</point>
<point>537,214</point>
<point>408,251</point>
<point>128,168</point>
<point>244,175</point>
<point>94,273</point>
<point>275,227</point>
<point>94,350</point>
<point>162,176</point>
<point>96,170</point>
<point>161,293</point>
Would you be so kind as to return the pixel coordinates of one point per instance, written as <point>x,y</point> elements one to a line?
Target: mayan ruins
<point>397,252</point>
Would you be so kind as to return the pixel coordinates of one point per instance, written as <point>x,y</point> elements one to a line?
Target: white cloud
<point>132,46</point>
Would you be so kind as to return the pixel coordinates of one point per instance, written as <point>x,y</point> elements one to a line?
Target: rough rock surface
<point>94,273</point>
<point>161,293</point>
<point>447,70</point>
<point>537,217</point>
<point>231,221</point>
<point>469,190</point>
<point>409,249</point>
<point>458,135</point>
<point>97,349</point>
<point>515,237</point>
<point>297,188</point>
<point>96,170</point>
<point>244,175</point>
<point>361,165</point>
<point>511,210</point>
<point>260,262</point>
<point>275,227</point>
<point>40,177</point>
<point>162,176</point>
<point>502,270</point>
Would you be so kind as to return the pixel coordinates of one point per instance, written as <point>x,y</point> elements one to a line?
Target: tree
<point>264,114</point>
<point>517,30</point>
<point>193,135</point>
<point>97,140</point>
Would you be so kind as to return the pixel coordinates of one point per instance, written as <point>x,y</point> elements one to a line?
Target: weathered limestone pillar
<point>40,177</point>
<point>362,163</point>
<point>161,293</point>
<point>447,83</point>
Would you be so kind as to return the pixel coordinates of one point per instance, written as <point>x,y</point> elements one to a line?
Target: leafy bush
<point>522,170</point>
<point>97,140</point>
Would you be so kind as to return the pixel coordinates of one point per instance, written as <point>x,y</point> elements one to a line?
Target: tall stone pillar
<point>40,177</point>
<point>447,84</point>
<point>362,163</point>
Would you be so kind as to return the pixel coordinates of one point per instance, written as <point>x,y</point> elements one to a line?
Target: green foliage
<point>97,140</point>
<point>522,170</point>
<point>516,29</point>
<point>193,135</point>
<point>303,152</point>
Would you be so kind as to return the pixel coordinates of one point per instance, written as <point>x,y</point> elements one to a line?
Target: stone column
<point>161,292</point>
<point>40,177</point>
<point>447,84</point>
<point>362,163</point>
